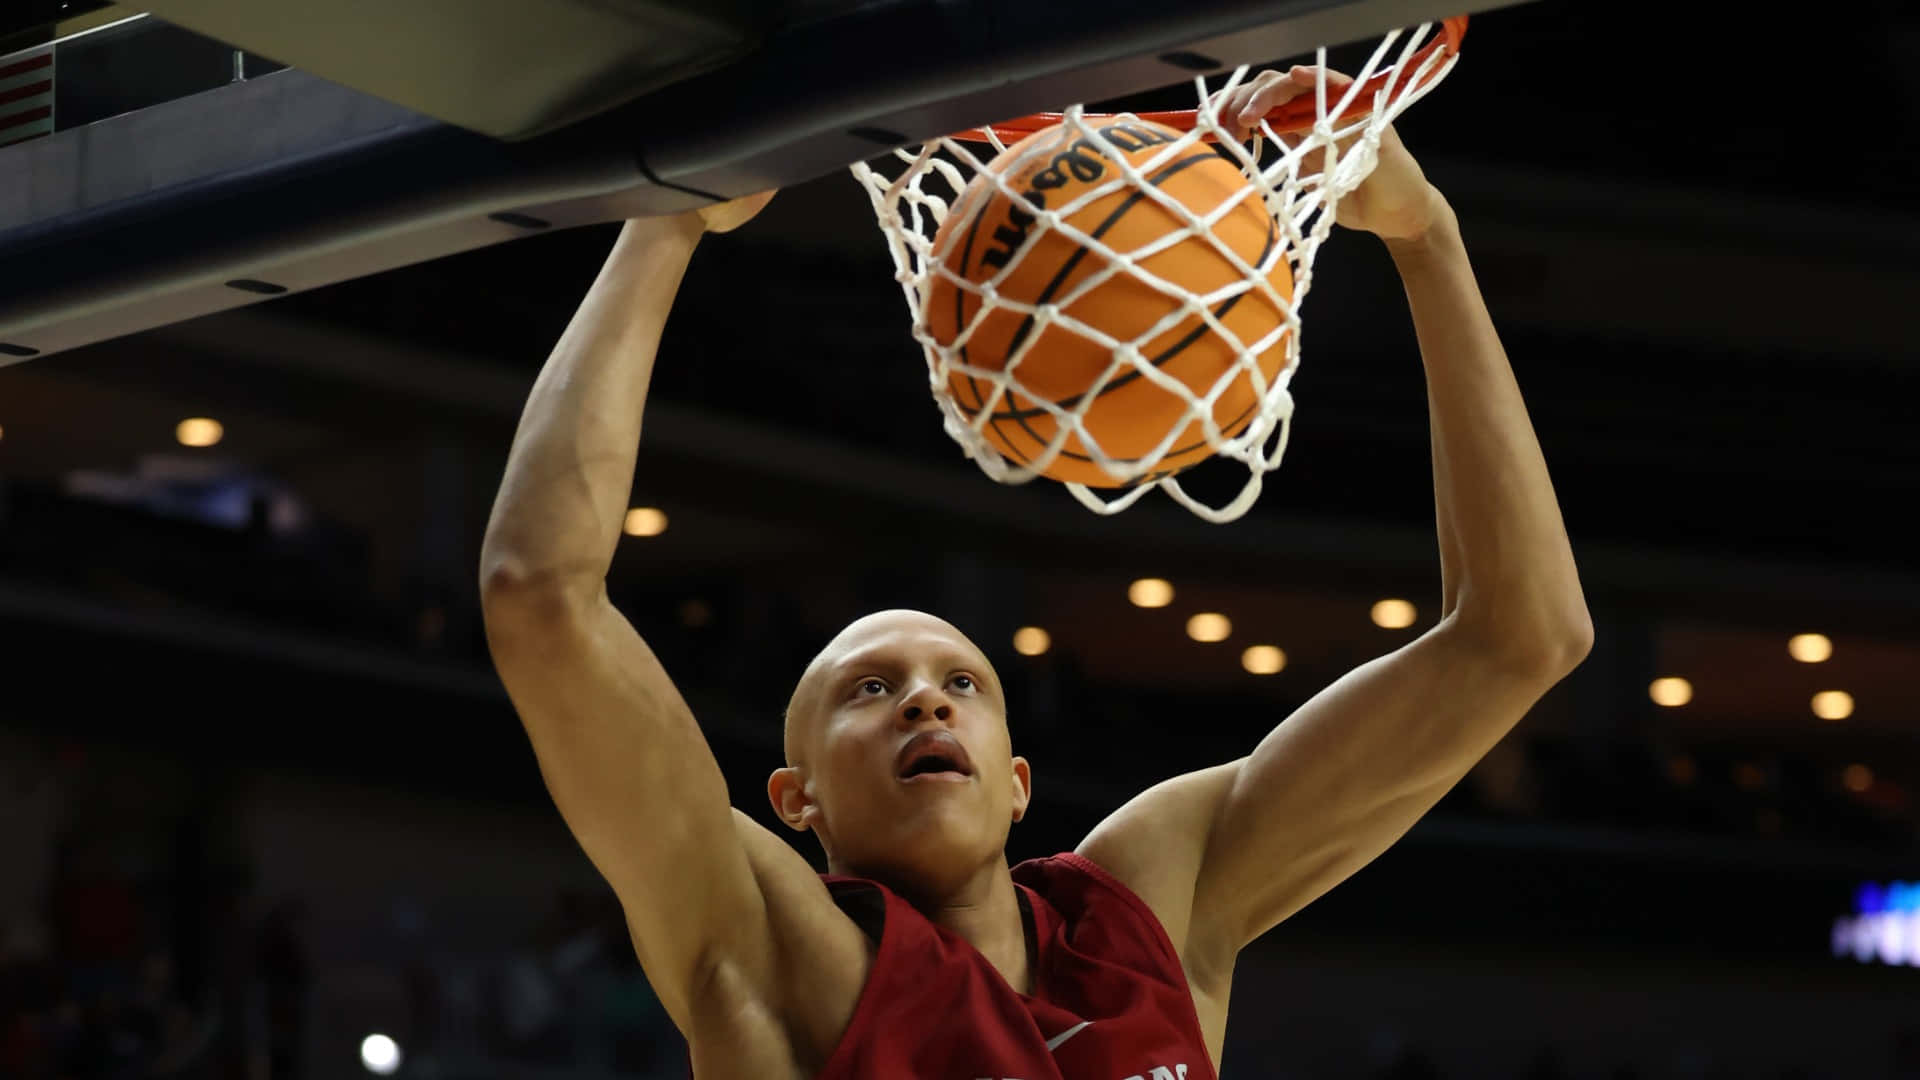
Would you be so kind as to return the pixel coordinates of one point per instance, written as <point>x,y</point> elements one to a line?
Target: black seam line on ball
<point>1053,286</point>
<point>1021,416</point>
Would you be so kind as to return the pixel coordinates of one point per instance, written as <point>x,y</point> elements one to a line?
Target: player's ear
<point>788,792</point>
<point>1022,787</point>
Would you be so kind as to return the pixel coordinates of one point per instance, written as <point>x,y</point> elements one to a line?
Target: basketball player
<point>923,955</point>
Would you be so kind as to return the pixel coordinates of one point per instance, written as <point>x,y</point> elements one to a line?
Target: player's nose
<point>925,702</point>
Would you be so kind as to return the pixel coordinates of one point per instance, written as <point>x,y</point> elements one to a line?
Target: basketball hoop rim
<point>1295,116</point>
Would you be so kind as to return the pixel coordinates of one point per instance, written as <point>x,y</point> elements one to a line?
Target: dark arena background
<point>266,812</point>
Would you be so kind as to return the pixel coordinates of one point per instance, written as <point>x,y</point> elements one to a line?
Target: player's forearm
<point>1507,566</point>
<point>557,518</point>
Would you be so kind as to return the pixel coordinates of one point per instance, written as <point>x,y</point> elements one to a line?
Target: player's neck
<point>986,914</point>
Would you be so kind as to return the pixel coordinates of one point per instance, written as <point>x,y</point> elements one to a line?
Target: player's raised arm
<point>627,765</point>
<point>1226,853</point>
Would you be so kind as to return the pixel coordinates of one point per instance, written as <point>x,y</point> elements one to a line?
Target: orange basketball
<point>987,230</point>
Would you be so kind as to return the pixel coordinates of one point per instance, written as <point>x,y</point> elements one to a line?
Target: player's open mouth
<point>933,756</point>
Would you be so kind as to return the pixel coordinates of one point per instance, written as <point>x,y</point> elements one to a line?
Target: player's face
<point>909,765</point>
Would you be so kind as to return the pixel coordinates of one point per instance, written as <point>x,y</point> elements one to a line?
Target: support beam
<point>264,187</point>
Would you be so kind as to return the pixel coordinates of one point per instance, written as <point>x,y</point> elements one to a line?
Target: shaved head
<point>898,755</point>
<point>805,706</point>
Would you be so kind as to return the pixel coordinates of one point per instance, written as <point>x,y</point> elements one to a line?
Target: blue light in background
<point>1884,926</point>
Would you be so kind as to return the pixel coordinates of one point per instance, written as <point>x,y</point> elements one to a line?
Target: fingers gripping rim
<point>1295,116</point>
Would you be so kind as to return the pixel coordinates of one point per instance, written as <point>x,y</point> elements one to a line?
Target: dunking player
<point>924,955</point>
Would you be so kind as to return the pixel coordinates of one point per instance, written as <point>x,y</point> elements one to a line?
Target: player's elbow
<point>528,616</point>
<point>505,578</point>
<point>513,588</point>
<point>1553,651</point>
<point>1563,638</point>
<point>1546,645</point>
<point>1578,639</point>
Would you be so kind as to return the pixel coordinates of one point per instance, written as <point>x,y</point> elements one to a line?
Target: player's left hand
<point>1394,202</point>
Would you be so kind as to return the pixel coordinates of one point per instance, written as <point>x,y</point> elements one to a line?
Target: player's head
<point>898,754</point>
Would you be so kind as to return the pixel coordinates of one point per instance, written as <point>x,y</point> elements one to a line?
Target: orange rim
<point>1296,115</point>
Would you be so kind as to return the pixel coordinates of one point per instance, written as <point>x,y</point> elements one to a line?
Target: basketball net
<point>1299,189</point>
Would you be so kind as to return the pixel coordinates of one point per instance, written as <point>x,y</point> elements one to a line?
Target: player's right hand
<point>728,216</point>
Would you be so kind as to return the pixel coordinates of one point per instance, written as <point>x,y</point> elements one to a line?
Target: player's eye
<point>963,682</point>
<point>872,687</point>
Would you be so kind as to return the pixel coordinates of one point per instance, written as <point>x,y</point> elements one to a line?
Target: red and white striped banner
<point>26,94</point>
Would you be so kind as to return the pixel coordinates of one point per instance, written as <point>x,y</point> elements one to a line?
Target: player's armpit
<point>822,958</point>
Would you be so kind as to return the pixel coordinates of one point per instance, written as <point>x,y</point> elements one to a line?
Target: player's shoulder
<point>796,897</point>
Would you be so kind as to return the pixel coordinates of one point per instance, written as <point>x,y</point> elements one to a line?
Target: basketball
<point>989,233</point>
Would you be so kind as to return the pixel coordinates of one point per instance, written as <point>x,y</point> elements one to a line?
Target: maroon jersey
<point>1110,999</point>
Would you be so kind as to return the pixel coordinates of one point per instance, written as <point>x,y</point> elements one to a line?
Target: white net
<point>1298,180</point>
